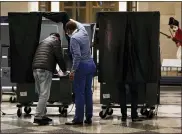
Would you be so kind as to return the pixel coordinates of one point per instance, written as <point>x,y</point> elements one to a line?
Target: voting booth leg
<point>148,99</point>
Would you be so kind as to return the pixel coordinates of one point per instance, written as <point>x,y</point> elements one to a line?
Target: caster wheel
<point>63,111</point>
<point>103,114</point>
<point>110,112</point>
<point>27,110</point>
<point>143,111</point>
<point>12,99</point>
<point>19,112</point>
<point>151,114</point>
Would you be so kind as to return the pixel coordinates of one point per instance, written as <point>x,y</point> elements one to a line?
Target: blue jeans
<point>82,86</point>
<point>43,80</point>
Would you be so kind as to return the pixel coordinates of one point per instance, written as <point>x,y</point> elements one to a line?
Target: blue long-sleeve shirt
<point>80,46</point>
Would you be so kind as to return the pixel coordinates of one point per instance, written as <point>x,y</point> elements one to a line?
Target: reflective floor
<point>168,119</point>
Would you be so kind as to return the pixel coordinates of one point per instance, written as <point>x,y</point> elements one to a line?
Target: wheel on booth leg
<point>63,111</point>
<point>110,111</point>
<point>151,114</point>
<point>19,112</point>
<point>144,111</point>
<point>12,99</point>
<point>103,114</point>
<point>27,110</point>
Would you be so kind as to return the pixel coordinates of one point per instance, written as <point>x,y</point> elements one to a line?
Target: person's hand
<point>60,73</point>
<point>66,73</point>
<point>71,76</point>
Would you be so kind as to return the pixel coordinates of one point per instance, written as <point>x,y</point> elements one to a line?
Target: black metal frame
<point>13,92</point>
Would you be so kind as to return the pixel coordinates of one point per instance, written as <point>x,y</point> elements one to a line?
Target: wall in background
<point>13,7</point>
<point>167,10</point>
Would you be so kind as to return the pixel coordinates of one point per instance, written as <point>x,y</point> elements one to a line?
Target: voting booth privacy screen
<point>128,47</point>
<point>25,31</point>
<point>129,53</point>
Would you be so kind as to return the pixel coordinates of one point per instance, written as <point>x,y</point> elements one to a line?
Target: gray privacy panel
<point>49,27</point>
<point>64,41</point>
<point>89,31</point>
<point>4,37</point>
<point>4,60</point>
<point>5,77</point>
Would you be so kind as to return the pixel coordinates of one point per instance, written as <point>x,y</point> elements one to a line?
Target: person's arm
<point>59,56</point>
<point>75,48</point>
<point>79,25</point>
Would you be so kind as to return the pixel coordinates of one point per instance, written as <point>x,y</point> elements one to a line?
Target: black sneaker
<point>88,121</point>
<point>41,121</point>
<point>47,119</point>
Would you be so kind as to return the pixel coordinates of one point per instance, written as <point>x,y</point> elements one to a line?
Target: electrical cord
<point>71,108</point>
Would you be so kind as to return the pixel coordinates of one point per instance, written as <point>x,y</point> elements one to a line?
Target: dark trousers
<point>123,99</point>
<point>82,85</point>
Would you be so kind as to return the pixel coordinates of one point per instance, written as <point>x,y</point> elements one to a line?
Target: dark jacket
<point>48,53</point>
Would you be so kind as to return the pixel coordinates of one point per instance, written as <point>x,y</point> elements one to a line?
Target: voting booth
<point>8,88</point>
<point>129,53</point>
<point>26,30</point>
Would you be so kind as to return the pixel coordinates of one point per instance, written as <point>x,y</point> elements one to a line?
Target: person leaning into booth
<point>48,53</point>
<point>82,72</point>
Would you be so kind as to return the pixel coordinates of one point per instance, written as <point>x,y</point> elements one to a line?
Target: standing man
<point>122,88</point>
<point>82,72</point>
<point>48,53</point>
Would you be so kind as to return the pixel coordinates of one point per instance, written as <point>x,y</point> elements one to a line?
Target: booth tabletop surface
<point>171,63</point>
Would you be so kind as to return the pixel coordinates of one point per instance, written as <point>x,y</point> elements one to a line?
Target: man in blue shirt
<point>82,71</point>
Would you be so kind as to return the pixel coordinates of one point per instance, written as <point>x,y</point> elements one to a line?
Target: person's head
<point>171,20</point>
<point>56,35</point>
<point>70,27</point>
<point>173,23</point>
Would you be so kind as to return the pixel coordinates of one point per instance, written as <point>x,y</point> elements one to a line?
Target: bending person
<point>82,72</point>
<point>48,53</point>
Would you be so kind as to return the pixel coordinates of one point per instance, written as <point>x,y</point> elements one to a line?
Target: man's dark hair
<point>55,34</point>
<point>71,26</point>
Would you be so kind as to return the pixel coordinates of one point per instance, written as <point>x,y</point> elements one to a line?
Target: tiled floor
<point>168,119</point>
